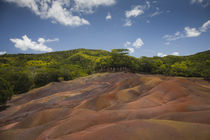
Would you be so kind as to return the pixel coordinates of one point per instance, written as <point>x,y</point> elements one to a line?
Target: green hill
<point>23,72</point>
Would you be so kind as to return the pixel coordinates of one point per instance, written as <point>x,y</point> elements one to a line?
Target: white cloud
<point>55,10</point>
<point>205,26</point>
<point>94,3</point>
<point>192,32</point>
<point>63,11</point>
<point>196,1</point>
<point>138,43</point>
<point>160,54</point>
<point>136,11</point>
<point>156,13</point>
<point>131,50</point>
<point>188,32</point>
<point>128,23</point>
<point>42,40</point>
<point>60,14</point>
<point>2,53</point>
<point>148,4</point>
<point>109,16</point>
<point>173,37</point>
<point>52,40</point>
<point>26,3</point>
<point>175,53</point>
<point>88,5</point>
<point>128,43</point>
<point>26,43</point>
<point>203,3</point>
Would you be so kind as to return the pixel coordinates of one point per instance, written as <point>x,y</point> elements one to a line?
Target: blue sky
<point>145,27</point>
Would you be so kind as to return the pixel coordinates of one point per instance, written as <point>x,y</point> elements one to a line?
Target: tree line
<point>22,72</point>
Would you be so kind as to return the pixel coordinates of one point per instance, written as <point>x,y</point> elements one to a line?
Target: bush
<point>40,79</point>
<point>5,91</point>
<point>21,82</point>
<point>44,77</point>
<point>60,79</point>
<point>206,75</point>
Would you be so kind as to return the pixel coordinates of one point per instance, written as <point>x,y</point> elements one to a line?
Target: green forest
<point>21,72</point>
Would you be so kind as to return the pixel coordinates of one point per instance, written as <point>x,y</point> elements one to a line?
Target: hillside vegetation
<point>21,72</point>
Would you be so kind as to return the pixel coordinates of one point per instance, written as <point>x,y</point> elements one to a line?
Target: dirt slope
<point>111,106</point>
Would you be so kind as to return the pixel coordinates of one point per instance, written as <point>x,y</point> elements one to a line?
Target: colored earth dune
<point>111,106</point>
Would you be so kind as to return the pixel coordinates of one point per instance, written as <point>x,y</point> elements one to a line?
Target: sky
<point>144,27</point>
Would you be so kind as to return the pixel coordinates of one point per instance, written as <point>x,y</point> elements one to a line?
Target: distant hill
<point>22,72</point>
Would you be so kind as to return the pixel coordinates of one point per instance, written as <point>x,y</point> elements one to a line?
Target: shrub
<point>60,79</point>
<point>21,82</point>
<point>5,91</point>
<point>44,77</point>
<point>206,75</point>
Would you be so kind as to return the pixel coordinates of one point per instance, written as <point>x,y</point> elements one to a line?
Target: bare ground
<point>111,106</point>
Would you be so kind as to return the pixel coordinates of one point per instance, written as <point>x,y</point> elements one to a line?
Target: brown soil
<point>111,106</point>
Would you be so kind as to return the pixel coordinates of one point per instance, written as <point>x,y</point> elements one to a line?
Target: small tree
<point>20,82</point>
<point>206,70</point>
<point>181,69</point>
<point>44,77</point>
<point>5,91</point>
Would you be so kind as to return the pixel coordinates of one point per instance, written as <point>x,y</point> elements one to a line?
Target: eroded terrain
<point>111,106</point>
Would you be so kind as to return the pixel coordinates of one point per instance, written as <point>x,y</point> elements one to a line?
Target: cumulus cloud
<point>63,11</point>
<point>136,11</point>
<point>188,32</point>
<point>131,50</point>
<point>109,16</point>
<point>138,43</point>
<point>192,32</point>
<point>160,54</point>
<point>132,45</point>
<point>175,53</point>
<point>26,43</point>
<point>3,52</point>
